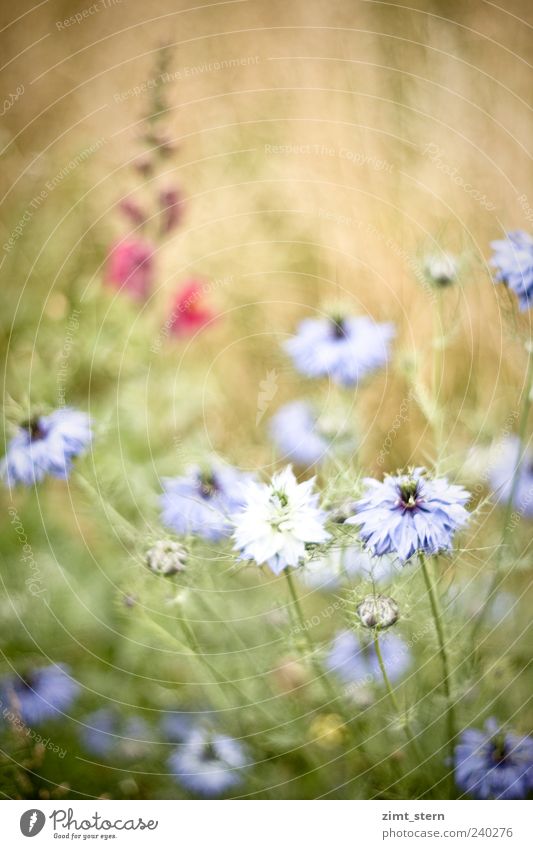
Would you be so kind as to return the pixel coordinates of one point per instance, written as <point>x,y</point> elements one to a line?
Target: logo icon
<point>32,822</point>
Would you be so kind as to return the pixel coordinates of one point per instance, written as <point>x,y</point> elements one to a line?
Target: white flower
<point>278,520</point>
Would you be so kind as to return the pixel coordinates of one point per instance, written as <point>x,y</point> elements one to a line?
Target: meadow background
<point>323,151</point>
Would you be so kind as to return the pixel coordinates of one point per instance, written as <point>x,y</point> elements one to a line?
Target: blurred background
<point>322,151</point>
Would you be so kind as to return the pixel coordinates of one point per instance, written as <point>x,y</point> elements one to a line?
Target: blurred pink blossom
<point>131,267</point>
<point>132,210</point>
<point>171,202</point>
<point>189,312</point>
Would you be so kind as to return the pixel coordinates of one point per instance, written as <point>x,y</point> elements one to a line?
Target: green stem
<point>446,678</point>
<point>408,732</point>
<point>506,528</point>
<point>328,689</point>
<point>438,346</point>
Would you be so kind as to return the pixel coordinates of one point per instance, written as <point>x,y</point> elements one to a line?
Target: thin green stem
<point>328,689</point>
<point>438,347</point>
<point>506,527</point>
<point>446,678</point>
<point>401,714</point>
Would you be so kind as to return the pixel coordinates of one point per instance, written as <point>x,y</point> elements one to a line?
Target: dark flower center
<point>208,752</point>
<point>338,327</point>
<point>208,485</point>
<point>498,750</point>
<point>409,493</point>
<point>34,429</point>
<point>27,682</point>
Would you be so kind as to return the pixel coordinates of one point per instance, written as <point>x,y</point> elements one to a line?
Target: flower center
<point>34,429</point>
<point>281,498</point>
<point>208,485</point>
<point>208,752</point>
<point>409,493</point>
<point>27,682</point>
<point>498,750</point>
<point>337,327</point>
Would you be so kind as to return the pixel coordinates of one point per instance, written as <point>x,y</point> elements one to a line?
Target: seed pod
<point>441,269</point>
<point>378,612</point>
<point>166,557</point>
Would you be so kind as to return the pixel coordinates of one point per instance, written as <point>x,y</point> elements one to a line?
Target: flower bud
<point>132,210</point>
<point>171,203</point>
<point>166,557</point>
<point>378,611</point>
<point>441,269</point>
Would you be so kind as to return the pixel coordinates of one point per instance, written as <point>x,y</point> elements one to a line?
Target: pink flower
<point>172,204</point>
<point>188,313</point>
<point>131,267</point>
<point>132,210</point>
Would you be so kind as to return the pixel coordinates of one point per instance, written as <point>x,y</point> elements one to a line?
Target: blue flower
<point>513,259</point>
<point>344,349</point>
<point>340,565</point>
<point>46,445</point>
<point>208,764</point>
<point>42,694</point>
<point>200,502</point>
<point>408,513</point>
<point>494,764</point>
<point>107,733</point>
<point>278,520</point>
<point>295,433</point>
<point>354,660</point>
<point>501,474</point>
<point>468,599</point>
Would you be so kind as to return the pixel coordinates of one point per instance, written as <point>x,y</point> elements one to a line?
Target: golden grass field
<point>324,149</point>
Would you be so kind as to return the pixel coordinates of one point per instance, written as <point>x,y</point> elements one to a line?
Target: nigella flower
<point>41,694</point>
<point>208,764</point>
<point>409,513</point>
<point>340,565</point>
<point>513,259</point>
<point>346,349</point>
<point>189,312</point>
<point>502,471</point>
<point>131,267</point>
<point>107,733</point>
<point>277,521</point>
<point>201,502</point>
<point>46,445</point>
<point>354,660</point>
<point>303,436</point>
<point>468,598</point>
<point>494,764</point>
